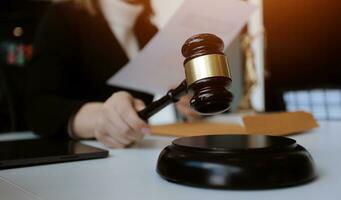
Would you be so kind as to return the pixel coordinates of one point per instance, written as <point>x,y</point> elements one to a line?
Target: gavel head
<point>207,74</point>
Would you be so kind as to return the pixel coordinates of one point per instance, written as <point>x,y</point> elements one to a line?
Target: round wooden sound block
<point>236,162</point>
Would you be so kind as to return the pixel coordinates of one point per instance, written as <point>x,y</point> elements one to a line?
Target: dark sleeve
<point>48,108</point>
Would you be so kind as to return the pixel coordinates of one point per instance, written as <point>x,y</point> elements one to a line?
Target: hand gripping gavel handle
<point>172,96</point>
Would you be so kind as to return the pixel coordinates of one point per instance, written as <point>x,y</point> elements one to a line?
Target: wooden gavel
<point>207,78</point>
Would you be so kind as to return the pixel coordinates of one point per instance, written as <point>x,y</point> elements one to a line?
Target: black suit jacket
<point>74,54</point>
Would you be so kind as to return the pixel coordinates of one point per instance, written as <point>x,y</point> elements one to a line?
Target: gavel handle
<point>172,96</point>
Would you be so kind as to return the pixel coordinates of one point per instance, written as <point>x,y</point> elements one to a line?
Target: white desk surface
<point>130,174</point>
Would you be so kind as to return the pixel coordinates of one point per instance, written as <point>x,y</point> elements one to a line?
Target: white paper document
<point>159,66</point>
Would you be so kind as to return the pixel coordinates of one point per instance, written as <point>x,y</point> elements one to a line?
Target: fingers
<point>115,123</point>
<point>102,133</point>
<point>120,124</point>
<point>185,99</point>
<point>183,106</point>
<point>138,104</point>
<point>186,111</point>
<point>127,111</point>
<point>108,141</point>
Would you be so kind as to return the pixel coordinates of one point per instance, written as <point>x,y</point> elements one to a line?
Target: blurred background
<point>288,57</point>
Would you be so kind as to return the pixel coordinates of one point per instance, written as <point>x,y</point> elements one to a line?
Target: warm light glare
<point>18,31</point>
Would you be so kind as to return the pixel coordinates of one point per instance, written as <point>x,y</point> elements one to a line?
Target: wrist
<point>83,123</point>
<point>70,130</point>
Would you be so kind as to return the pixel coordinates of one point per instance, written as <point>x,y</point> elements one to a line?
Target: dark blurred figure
<point>18,23</point>
<point>79,45</point>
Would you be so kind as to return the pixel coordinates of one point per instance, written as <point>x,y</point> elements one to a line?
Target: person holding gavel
<point>79,45</point>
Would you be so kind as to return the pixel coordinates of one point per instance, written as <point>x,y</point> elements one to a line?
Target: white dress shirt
<point>121,17</point>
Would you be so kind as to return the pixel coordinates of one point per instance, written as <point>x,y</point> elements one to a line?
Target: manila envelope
<point>277,124</point>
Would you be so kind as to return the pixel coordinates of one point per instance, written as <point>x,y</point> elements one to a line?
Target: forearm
<point>47,115</point>
<point>84,122</point>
